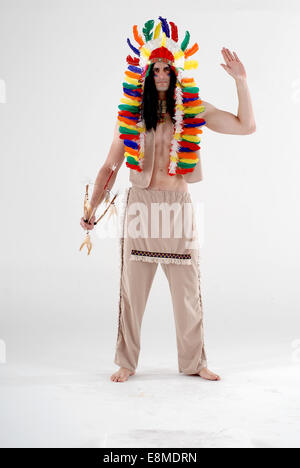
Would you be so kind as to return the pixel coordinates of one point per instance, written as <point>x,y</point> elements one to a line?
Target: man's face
<point>161,76</point>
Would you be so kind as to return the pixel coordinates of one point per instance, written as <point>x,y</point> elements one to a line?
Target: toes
<point>119,377</point>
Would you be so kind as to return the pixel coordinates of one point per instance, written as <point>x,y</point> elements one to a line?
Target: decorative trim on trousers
<point>160,257</point>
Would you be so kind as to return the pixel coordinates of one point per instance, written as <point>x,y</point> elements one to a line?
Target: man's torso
<point>160,179</point>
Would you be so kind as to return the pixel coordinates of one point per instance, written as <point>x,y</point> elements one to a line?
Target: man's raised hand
<point>234,66</point>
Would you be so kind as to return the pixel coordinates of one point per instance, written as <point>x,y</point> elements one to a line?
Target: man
<point>164,179</point>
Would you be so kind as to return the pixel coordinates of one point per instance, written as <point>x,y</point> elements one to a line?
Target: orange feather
<point>137,37</point>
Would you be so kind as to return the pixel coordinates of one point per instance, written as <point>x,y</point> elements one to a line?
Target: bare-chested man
<point>217,120</point>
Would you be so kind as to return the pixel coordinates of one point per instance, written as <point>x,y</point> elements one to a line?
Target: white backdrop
<point>61,70</point>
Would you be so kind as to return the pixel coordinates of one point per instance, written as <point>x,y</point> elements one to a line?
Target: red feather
<point>174,31</point>
<point>132,61</point>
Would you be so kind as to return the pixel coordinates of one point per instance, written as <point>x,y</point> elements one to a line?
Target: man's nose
<point>162,75</point>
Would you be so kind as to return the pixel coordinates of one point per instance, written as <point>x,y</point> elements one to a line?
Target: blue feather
<point>165,26</point>
<point>194,125</point>
<point>189,99</point>
<point>131,144</point>
<point>183,149</point>
<point>131,92</point>
<point>134,69</point>
<point>136,51</point>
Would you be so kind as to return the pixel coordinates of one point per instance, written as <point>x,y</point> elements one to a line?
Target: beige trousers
<point>180,263</point>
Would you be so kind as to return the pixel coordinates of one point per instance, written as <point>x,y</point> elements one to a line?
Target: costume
<point>148,211</point>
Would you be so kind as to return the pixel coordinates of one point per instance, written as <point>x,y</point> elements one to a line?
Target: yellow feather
<point>193,110</point>
<point>178,54</point>
<point>187,85</point>
<point>146,52</point>
<point>190,137</point>
<point>163,40</point>
<point>188,64</point>
<point>189,161</point>
<point>157,31</point>
<point>130,102</point>
<point>133,81</point>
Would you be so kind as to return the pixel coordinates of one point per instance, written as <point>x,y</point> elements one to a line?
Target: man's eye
<point>166,71</point>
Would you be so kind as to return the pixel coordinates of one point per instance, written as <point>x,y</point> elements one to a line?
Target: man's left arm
<point>225,122</point>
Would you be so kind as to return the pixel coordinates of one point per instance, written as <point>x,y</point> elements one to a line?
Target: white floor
<point>254,405</point>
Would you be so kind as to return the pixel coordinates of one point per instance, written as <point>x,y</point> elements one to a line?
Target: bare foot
<point>208,375</point>
<point>121,375</point>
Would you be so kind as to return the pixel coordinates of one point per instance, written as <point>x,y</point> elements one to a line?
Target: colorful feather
<point>188,64</point>
<point>147,30</point>
<point>132,61</point>
<point>135,69</point>
<point>185,41</point>
<point>165,26</point>
<point>191,51</point>
<point>174,31</point>
<point>136,35</point>
<point>157,31</point>
<point>136,51</point>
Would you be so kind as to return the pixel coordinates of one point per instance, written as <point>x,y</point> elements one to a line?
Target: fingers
<point>236,57</point>
<point>228,55</point>
<point>86,225</point>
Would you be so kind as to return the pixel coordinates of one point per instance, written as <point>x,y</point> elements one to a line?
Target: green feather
<point>148,71</point>
<point>190,89</point>
<point>133,109</point>
<point>147,30</point>
<point>130,86</point>
<point>185,41</point>
<point>183,165</point>
<point>132,161</point>
<point>128,131</point>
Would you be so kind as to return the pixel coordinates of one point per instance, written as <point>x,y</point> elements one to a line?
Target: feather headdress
<point>161,44</point>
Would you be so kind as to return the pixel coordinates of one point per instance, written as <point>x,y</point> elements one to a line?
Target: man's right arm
<point>115,156</point>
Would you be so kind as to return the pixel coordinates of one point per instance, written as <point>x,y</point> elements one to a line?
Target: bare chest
<point>160,176</point>
<point>163,139</point>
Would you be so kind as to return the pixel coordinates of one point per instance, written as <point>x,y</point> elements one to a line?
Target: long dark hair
<point>149,107</point>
